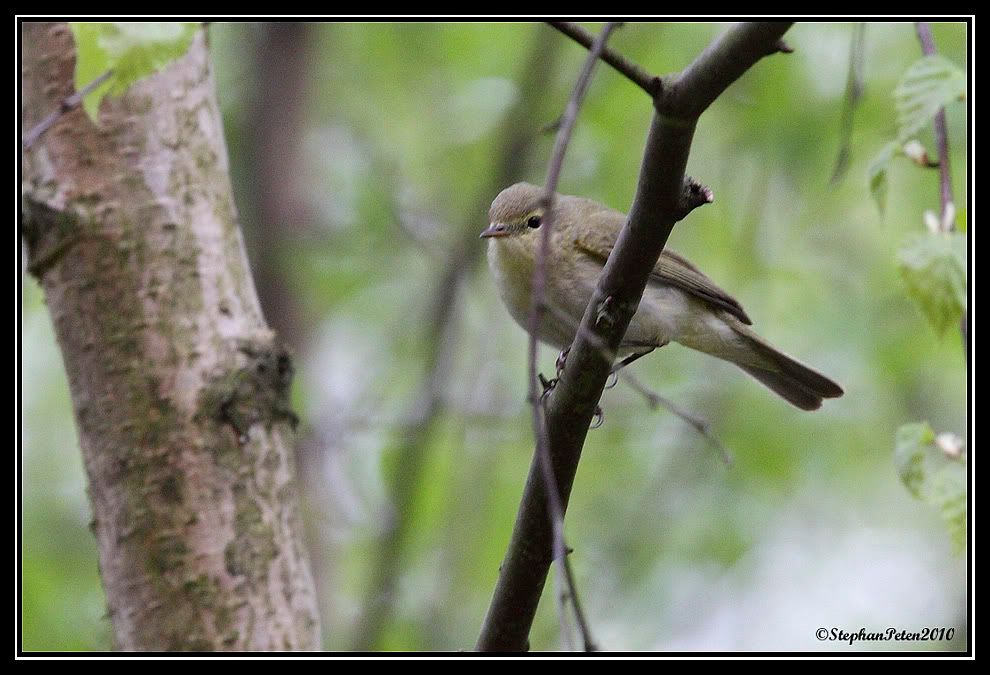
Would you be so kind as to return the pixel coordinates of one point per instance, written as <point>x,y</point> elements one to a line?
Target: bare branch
<point>651,84</point>
<point>941,133</point>
<point>572,403</point>
<point>654,399</point>
<point>851,99</point>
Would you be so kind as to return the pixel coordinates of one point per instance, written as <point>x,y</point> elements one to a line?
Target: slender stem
<point>654,399</point>
<point>651,84</point>
<point>850,102</point>
<point>941,133</point>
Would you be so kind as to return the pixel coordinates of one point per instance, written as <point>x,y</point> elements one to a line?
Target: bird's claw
<point>548,385</point>
<point>562,361</point>
<point>598,419</point>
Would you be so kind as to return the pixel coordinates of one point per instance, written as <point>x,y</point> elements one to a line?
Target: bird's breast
<point>566,291</point>
<point>513,274</point>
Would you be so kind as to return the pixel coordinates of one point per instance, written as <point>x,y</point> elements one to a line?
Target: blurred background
<point>363,159</point>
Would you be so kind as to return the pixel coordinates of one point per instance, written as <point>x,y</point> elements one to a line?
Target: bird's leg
<point>598,419</point>
<point>548,385</point>
<point>635,356</point>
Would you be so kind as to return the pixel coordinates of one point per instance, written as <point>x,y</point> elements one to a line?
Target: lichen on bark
<point>180,391</point>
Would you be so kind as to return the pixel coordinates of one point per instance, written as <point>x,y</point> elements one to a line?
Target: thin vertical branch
<point>853,95</point>
<point>536,312</point>
<point>947,216</point>
<point>941,133</point>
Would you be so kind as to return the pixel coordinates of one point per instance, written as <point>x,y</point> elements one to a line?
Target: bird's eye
<point>534,222</point>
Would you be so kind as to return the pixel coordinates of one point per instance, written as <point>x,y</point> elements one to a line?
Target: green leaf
<point>933,267</point>
<point>130,50</point>
<point>878,174</point>
<point>928,85</point>
<point>909,455</point>
<point>931,476</point>
<point>91,62</point>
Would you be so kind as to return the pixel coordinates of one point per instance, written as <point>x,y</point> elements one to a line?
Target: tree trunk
<point>179,388</point>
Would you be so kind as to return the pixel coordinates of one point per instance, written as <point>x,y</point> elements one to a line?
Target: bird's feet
<point>598,418</point>
<point>548,385</point>
<point>562,361</point>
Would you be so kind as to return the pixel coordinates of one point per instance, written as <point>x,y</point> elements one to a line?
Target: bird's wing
<point>671,269</point>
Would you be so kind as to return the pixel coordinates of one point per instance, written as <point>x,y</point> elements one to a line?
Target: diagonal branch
<point>571,405</point>
<point>651,84</point>
<point>702,426</point>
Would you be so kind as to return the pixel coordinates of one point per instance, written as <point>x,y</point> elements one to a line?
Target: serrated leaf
<point>933,477</point>
<point>878,174</point>
<point>928,85</point>
<point>933,267</point>
<point>130,50</point>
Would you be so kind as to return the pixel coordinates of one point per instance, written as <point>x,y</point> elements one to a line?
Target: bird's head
<point>516,213</point>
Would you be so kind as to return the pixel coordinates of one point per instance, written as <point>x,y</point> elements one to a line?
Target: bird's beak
<point>495,230</point>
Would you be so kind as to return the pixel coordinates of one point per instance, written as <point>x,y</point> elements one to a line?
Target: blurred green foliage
<point>933,469</point>
<point>809,528</point>
<point>129,50</point>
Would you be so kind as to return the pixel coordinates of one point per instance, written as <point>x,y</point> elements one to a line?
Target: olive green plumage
<point>680,304</point>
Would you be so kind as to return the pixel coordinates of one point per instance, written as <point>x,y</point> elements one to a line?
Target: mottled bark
<point>179,388</point>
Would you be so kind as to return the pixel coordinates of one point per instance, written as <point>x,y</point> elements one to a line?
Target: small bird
<point>680,303</point>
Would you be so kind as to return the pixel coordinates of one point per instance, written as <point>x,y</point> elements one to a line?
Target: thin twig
<point>536,316</point>
<point>653,399</point>
<point>941,133</point>
<point>945,175</point>
<point>853,95</point>
<point>68,104</point>
<point>651,84</point>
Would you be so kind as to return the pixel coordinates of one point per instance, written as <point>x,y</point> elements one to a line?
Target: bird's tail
<point>787,377</point>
